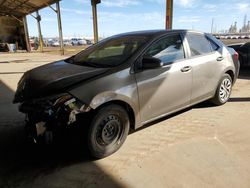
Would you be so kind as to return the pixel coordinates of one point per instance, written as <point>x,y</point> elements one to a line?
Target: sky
<point>119,16</point>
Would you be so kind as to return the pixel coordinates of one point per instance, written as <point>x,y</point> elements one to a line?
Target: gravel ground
<point>203,146</point>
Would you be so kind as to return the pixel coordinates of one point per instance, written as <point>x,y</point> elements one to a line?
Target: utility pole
<point>95,25</point>
<point>169,14</point>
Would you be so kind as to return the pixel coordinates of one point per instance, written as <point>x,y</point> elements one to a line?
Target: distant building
<point>246,26</point>
<point>233,28</point>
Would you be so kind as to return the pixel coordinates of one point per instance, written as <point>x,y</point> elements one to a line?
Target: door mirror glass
<point>151,63</point>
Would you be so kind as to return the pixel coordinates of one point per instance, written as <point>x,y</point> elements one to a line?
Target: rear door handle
<point>220,58</point>
<point>186,69</point>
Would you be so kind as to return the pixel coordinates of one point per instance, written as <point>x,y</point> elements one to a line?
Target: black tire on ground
<point>108,130</point>
<point>223,91</point>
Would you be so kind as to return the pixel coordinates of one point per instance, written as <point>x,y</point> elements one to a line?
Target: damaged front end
<point>46,116</point>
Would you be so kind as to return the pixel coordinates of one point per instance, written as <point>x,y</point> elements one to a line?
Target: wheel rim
<point>109,131</point>
<point>225,89</point>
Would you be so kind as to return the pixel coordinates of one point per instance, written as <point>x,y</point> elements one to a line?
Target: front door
<point>168,88</point>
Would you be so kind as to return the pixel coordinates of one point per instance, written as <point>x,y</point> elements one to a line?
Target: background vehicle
<point>55,43</point>
<point>74,41</point>
<point>82,42</point>
<point>78,41</point>
<point>67,42</point>
<point>124,82</point>
<point>244,53</point>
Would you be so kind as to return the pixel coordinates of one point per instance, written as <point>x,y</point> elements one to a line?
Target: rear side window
<point>213,45</point>
<point>168,49</point>
<point>198,44</point>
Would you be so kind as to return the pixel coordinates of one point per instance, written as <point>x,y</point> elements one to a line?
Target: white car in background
<point>74,41</point>
<point>82,42</point>
<point>67,42</point>
<point>78,41</point>
<point>55,43</point>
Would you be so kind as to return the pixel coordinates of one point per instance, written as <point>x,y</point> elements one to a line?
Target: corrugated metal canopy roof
<point>20,8</point>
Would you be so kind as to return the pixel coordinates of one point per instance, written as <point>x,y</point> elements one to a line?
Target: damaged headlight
<point>73,106</point>
<point>71,103</point>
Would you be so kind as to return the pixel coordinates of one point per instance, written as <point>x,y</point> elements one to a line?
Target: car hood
<point>53,78</point>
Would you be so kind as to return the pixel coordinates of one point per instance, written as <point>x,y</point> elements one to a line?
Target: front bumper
<point>45,116</point>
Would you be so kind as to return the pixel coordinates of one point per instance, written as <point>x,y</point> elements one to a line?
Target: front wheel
<point>223,91</point>
<point>108,131</point>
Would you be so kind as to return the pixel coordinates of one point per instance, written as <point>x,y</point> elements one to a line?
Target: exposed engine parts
<point>44,116</point>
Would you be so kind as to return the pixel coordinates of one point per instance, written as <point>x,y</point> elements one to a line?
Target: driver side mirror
<point>151,63</point>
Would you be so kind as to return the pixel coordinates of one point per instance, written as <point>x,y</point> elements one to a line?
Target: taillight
<point>236,56</point>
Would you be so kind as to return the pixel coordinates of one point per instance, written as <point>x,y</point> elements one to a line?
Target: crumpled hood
<point>52,78</point>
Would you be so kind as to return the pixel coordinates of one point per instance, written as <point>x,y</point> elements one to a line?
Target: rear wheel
<point>223,91</point>
<point>108,131</point>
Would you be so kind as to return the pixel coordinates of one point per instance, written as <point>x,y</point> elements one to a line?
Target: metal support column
<point>26,33</point>
<point>169,14</point>
<point>59,20</point>
<point>94,12</point>
<point>38,18</point>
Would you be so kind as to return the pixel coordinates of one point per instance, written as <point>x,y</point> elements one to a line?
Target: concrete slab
<point>203,146</point>
<point>21,62</point>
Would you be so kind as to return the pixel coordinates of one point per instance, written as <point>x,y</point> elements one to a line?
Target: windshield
<point>109,52</point>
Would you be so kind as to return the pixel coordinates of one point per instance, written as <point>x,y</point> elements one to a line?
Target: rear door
<point>206,61</point>
<point>167,88</point>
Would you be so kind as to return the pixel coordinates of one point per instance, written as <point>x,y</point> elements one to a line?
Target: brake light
<point>236,56</point>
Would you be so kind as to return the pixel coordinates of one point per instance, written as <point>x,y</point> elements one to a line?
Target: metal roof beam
<point>16,18</point>
<point>2,2</point>
<point>20,8</point>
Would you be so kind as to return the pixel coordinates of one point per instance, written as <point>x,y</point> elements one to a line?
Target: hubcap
<point>109,131</point>
<point>225,90</point>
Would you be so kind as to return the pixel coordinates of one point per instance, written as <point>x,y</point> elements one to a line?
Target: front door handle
<point>186,69</point>
<point>220,58</point>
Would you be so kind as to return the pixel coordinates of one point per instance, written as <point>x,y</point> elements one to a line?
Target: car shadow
<point>205,104</point>
<point>239,99</point>
<point>26,165</point>
<point>15,61</point>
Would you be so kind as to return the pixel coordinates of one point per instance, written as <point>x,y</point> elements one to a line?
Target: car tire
<point>223,91</point>
<point>108,131</point>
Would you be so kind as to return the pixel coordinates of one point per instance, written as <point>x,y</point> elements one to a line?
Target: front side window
<point>198,44</point>
<point>168,50</point>
<point>109,52</point>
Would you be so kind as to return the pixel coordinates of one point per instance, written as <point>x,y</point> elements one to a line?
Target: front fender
<point>119,86</point>
<point>108,96</point>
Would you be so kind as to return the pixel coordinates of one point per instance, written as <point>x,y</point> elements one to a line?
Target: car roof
<point>152,33</point>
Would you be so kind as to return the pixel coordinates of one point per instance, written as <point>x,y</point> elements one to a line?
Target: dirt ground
<point>68,50</point>
<point>203,146</point>
<point>234,41</point>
